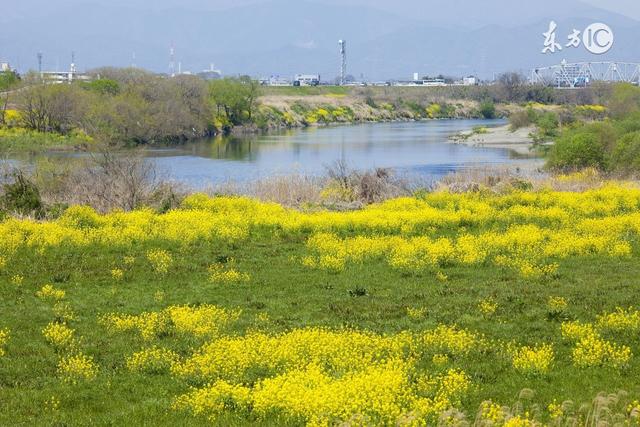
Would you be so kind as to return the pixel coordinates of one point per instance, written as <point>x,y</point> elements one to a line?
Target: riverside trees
<point>133,106</point>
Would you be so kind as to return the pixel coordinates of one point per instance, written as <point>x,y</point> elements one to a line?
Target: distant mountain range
<point>284,37</point>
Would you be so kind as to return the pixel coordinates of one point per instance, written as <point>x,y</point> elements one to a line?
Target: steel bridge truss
<point>581,74</point>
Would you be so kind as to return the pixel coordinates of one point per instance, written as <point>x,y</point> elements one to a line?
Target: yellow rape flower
<point>49,292</point>
<point>76,368</point>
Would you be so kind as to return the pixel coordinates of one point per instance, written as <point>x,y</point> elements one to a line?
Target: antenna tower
<point>343,65</point>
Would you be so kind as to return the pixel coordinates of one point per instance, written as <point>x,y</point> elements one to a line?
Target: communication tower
<point>343,65</point>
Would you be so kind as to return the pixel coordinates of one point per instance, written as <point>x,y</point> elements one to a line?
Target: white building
<point>56,77</point>
<point>306,80</point>
<point>470,81</point>
<point>4,67</point>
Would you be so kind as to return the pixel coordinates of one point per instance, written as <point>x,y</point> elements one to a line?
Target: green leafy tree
<point>103,86</point>
<point>235,99</point>
<point>8,79</point>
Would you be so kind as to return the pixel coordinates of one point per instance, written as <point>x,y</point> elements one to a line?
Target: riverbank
<point>520,141</point>
<point>278,110</point>
<point>27,141</point>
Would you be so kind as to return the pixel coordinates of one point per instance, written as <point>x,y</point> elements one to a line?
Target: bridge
<point>582,74</point>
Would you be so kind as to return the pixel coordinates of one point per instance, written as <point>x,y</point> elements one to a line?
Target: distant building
<point>276,81</point>
<point>4,67</point>
<point>57,77</point>
<point>470,81</point>
<point>421,83</point>
<point>306,80</point>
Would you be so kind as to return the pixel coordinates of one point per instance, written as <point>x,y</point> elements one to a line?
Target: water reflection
<point>415,147</point>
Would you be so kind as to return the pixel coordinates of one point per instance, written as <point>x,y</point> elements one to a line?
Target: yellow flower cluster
<point>523,248</point>
<point>59,335</point>
<point>204,321</point>
<point>557,304</point>
<point>417,313</point>
<point>201,321</point>
<point>52,404</point>
<point>152,360</point>
<point>555,410</point>
<point>440,359</point>
<point>591,349</point>
<point>547,223</point>
<point>620,321</point>
<point>633,409</point>
<point>488,307</point>
<point>117,274</point>
<point>492,414</point>
<point>451,340</point>
<point>160,260</point>
<point>63,311</point>
<point>148,325</point>
<point>4,339</point>
<point>50,293</point>
<point>532,360</point>
<point>17,280</point>
<point>214,399</point>
<point>377,394</point>
<point>222,273</point>
<point>231,357</point>
<point>77,367</point>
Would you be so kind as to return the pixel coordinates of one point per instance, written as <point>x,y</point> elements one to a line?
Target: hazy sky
<point>630,8</point>
<point>627,7</point>
<point>388,38</point>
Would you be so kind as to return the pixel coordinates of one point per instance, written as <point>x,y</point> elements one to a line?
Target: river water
<point>410,148</point>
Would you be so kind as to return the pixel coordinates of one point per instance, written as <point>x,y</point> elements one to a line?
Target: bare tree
<point>511,85</point>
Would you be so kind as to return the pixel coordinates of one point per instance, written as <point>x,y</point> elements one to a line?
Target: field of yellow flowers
<point>515,309</point>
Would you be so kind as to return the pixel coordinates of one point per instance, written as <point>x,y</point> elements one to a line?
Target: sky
<point>630,8</point>
<point>387,39</point>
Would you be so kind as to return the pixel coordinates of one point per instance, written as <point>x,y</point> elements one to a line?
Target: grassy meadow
<point>443,309</point>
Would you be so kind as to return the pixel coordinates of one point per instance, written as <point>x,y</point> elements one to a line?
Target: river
<point>410,148</point>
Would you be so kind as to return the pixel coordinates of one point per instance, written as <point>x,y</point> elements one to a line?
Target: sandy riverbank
<point>519,141</point>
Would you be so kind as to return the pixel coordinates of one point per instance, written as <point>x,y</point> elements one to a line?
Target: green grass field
<point>283,295</point>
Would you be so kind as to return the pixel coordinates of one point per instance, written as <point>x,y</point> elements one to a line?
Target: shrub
<point>576,151</point>
<point>21,196</point>
<point>626,155</point>
<point>520,119</point>
<point>625,100</point>
<point>547,125</point>
<point>487,109</point>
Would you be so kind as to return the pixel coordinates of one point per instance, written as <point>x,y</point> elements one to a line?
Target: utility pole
<point>40,63</point>
<point>172,61</point>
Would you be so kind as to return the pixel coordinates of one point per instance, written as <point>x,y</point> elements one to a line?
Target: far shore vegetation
<point>597,127</point>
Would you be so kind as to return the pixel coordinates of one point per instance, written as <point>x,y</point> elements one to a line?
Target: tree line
<point>133,106</point>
